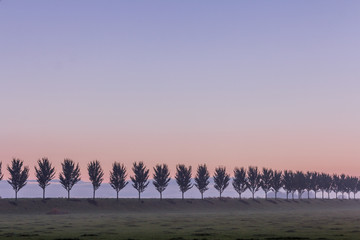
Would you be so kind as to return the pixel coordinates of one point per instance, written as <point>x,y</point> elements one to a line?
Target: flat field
<point>179,219</point>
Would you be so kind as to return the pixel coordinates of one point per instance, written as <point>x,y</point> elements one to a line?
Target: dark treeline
<point>252,179</point>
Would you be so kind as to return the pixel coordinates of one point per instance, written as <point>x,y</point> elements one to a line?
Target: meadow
<point>176,219</point>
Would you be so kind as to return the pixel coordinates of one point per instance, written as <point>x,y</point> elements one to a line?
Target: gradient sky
<point>235,83</point>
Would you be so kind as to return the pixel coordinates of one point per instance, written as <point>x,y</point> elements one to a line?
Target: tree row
<point>252,179</point>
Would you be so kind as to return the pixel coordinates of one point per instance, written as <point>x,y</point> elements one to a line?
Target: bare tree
<point>221,179</point>
<point>44,174</point>
<point>140,178</point>
<point>70,175</point>
<point>240,181</point>
<point>253,176</point>
<point>183,178</point>
<point>161,178</point>
<point>96,175</point>
<point>202,179</point>
<point>266,180</point>
<point>18,175</point>
<point>277,182</point>
<point>118,178</point>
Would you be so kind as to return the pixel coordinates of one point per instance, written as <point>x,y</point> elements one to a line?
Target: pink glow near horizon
<point>272,85</point>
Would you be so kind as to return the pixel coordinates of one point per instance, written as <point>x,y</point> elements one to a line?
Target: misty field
<point>179,219</point>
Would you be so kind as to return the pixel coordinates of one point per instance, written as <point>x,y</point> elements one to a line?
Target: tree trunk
<point>160,195</point>
<point>16,195</point>
<point>239,195</point>
<point>292,195</point>
<point>220,195</point>
<point>265,195</point>
<point>68,194</point>
<point>182,195</point>
<point>328,194</point>
<point>94,194</point>
<point>139,195</point>
<point>315,194</point>
<point>117,195</point>
<point>308,194</point>
<point>287,195</point>
<point>322,194</point>
<point>43,193</point>
<point>253,195</point>
<point>275,195</point>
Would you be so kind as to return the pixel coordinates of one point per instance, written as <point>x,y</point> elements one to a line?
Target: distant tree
<point>183,178</point>
<point>70,175</point>
<point>253,176</point>
<point>1,175</point>
<point>221,179</point>
<point>202,179</point>
<point>314,183</point>
<point>325,181</point>
<point>342,186</point>
<point>18,175</point>
<point>44,174</point>
<point>277,182</point>
<point>118,178</point>
<point>288,182</point>
<point>308,176</point>
<point>299,182</point>
<point>266,180</point>
<point>96,175</point>
<point>240,181</point>
<point>354,181</point>
<point>335,186</point>
<point>161,178</point>
<point>140,178</point>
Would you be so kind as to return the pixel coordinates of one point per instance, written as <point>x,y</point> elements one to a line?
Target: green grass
<point>177,219</point>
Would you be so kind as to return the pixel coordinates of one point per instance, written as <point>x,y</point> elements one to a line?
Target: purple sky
<point>236,83</point>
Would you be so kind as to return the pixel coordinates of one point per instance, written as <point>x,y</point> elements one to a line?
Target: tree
<point>161,178</point>
<point>266,180</point>
<point>354,182</point>
<point>253,176</point>
<point>183,178</point>
<point>342,186</point>
<point>140,178</point>
<point>314,182</point>
<point>335,186</point>
<point>325,184</point>
<point>18,175</point>
<point>288,182</point>
<point>240,181</point>
<point>1,175</point>
<point>202,179</point>
<point>276,183</point>
<point>308,183</point>
<point>70,175</point>
<point>221,179</point>
<point>118,178</point>
<point>96,175</point>
<point>299,183</point>
<point>44,174</point>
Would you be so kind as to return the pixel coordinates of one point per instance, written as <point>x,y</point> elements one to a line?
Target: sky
<point>232,83</point>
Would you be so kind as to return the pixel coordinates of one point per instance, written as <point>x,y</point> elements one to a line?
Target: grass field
<point>179,219</point>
